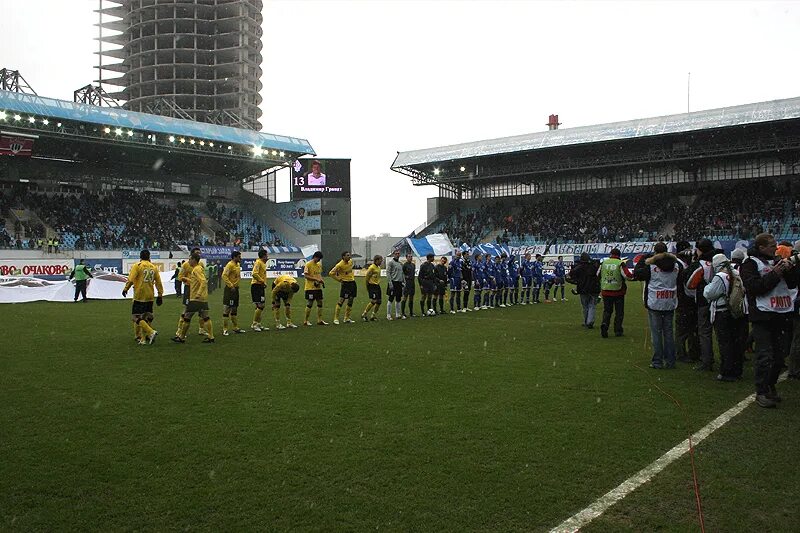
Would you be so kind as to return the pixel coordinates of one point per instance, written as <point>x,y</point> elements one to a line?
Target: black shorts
<point>195,306</point>
<point>140,308</point>
<point>230,297</point>
<point>427,286</point>
<point>186,294</point>
<point>315,294</point>
<point>394,290</point>
<point>281,296</point>
<point>441,288</point>
<point>410,287</point>
<point>374,292</point>
<point>349,290</point>
<point>257,293</point>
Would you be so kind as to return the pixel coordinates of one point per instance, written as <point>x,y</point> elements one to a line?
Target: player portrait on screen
<point>316,177</point>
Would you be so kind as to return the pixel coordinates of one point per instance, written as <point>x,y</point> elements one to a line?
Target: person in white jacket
<point>725,325</point>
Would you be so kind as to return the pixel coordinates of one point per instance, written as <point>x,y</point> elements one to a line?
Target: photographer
<point>660,272</point>
<point>584,275</point>
<point>700,275</point>
<point>771,289</point>
<point>726,324</point>
<point>687,344</point>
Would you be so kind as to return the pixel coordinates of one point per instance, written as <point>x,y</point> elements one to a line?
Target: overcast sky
<point>366,79</point>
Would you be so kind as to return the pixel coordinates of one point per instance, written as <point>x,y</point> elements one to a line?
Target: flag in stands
<point>437,244</point>
<point>309,251</point>
<point>22,146</point>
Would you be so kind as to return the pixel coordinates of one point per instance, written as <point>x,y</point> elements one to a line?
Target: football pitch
<point>502,420</point>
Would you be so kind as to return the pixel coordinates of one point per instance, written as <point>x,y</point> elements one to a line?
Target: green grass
<point>510,419</point>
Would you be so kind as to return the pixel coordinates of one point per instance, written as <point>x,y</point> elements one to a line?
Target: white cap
<point>717,261</point>
<point>739,254</point>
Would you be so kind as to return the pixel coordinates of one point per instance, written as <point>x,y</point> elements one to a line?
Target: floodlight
<point>58,125</point>
<point>172,138</point>
<point>17,117</point>
<point>107,130</point>
<point>191,141</point>
<point>230,148</point>
<point>257,151</point>
<point>2,115</point>
<point>463,169</point>
<point>31,120</point>
<point>45,122</point>
<point>274,152</point>
<point>202,143</point>
<point>182,140</point>
<point>118,131</point>
<point>130,133</point>
<point>435,171</point>
<point>211,144</point>
<point>281,154</point>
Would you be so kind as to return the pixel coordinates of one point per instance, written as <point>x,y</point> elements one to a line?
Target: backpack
<point>735,299</point>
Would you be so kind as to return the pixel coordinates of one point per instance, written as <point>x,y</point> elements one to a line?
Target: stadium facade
<point>198,59</point>
<point>751,141</point>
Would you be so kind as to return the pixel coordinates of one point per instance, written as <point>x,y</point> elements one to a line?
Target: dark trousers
<point>178,288</point>
<point>465,292</point>
<point>705,335</point>
<point>772,338</point>
<point>731,351</point>
<point>80,289</point>
<point>615,305</point>
<point>794,351</point>
<point>687,345</point>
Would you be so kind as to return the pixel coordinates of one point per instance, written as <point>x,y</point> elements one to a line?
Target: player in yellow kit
<point>373,289</point>
<point>343,273</point>
<point>283,288</point>
<point>231,276</point>
<point>183,276</point>
<point>258,289</point>
<point>142,277</point>
<point>198,302</point>
<point>314,285</point>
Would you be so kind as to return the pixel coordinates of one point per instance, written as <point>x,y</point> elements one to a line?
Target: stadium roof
<point>116,117</point>
<point>670,124</point>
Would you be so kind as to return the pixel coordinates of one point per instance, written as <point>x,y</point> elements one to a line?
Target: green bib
<point>610,276</point>
<point>80,273</point>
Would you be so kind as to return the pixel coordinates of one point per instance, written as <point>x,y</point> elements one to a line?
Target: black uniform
<point>427,278</point>
<point>466,276</point>
<point>409,271</point>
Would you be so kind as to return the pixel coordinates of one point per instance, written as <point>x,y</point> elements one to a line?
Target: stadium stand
<point>243,228</point>
<point>737,210</point>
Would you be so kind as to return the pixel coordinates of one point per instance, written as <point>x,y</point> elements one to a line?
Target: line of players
<point>496,283</point>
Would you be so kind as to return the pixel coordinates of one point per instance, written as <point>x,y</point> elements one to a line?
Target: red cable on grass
<point>698,501</point>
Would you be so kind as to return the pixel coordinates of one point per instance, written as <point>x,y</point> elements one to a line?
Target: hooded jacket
<point>584,275</point>
<point>666,262</point>
<point>700,274</point>
<point>756,285</point>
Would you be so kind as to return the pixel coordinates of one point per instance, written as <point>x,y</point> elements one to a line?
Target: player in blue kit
<point>537,270</point>
<point>526,270</point>
<point>491,284</point>
<point>454,277</point>
<point>548,280</point>
<point>479,279</point>
<point>513,276</point>
<point>560,274</point>
<point>500,281</point>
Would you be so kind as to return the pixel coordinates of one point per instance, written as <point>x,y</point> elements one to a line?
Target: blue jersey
<point>527,269</point>
<point>454,270</point>
<point>548,279</point>
<point>478,272</point>
<point>504,269</point>
<point>560,271</point>
<point>489,268</point>
<point>536,268</point>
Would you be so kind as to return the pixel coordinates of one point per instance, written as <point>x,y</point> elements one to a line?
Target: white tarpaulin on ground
<point>19,289</point>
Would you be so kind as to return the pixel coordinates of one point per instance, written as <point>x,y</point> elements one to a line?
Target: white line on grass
<point>601,505</point>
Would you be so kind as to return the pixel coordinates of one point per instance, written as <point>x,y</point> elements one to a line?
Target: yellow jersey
<point>283,285</point>
<point>231,274</point>
<point>374,275</point>
<point>343,271</point>
<point>313,268</point>
<point>142,277</point>
<point>198,284</point>
<point>259,273</point>
<point>185,273</point>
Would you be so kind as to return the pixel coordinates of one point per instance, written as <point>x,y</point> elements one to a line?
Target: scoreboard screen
<point>321,178</point>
